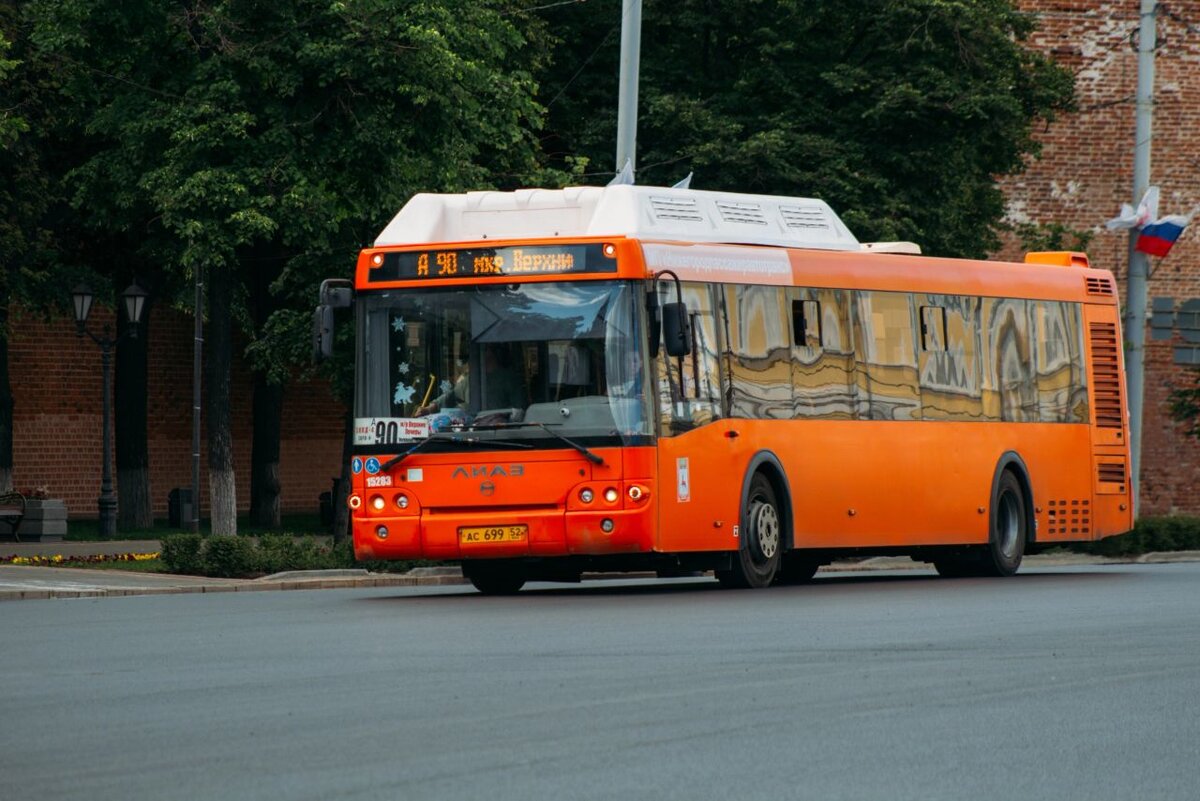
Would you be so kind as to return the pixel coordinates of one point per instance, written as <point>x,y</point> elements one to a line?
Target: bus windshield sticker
<point>389,430</point>
<point>683,484</point>
<point>484,262</point>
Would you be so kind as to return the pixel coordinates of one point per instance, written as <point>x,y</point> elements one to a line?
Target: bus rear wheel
<point>1008,530</point>
<point>494,578</point>
<point>758,556</point>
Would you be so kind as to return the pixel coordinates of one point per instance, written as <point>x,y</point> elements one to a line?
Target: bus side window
<point>760,371</point>
<point>950,388</point>
<point>887,355</point>
<point>689,387</point>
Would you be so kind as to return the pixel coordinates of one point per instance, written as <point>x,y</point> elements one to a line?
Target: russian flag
<point>1156,238</point>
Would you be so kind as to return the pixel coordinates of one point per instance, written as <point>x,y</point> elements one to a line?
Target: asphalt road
<point>1079,683</point>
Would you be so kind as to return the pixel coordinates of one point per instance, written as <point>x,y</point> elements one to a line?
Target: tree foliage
<point>900,113</point>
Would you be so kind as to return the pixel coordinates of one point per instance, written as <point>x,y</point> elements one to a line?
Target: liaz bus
<point>632,378</point>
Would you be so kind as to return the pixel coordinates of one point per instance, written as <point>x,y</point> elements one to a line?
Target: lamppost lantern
<point>135,300</point>
<point>81,297</point>
<point>135,303</point>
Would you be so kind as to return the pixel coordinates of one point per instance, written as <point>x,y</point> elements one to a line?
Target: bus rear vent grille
<point>1068,518</point>
<point>804,217</point>
<point>1111,472</point>
<point>670,208</point>
<point>1099,286</point>
<point>751,213</point>
<point>1106,373</point>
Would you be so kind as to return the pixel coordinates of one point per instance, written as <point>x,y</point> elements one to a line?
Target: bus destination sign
<point>484,262</point>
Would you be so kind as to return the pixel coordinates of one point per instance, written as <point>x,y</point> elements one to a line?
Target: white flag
<point>1146,211</point>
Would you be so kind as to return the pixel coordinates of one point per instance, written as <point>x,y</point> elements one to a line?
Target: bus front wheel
<point>757,559</point>
<point>494,578</point>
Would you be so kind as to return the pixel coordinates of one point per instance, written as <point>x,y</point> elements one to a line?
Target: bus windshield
<point>503,361</point>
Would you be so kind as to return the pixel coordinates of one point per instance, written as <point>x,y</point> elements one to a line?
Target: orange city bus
<point>553,382</point>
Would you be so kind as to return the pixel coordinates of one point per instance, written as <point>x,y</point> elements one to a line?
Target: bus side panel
<point>890,483</point>
<point>699,488</point>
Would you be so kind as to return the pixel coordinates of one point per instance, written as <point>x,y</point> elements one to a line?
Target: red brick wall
<point>1086,173</point>
<point>57,391</point>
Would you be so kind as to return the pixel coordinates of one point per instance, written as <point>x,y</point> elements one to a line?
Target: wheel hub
<point>767,528</point>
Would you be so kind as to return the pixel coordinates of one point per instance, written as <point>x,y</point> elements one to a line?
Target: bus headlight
<point>586,495</point>
<point>377,503</point>
<point>611,495</point>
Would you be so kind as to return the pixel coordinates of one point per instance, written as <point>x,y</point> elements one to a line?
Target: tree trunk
<point>263,265</point>
<point>222,485</point>
<point>134,507</point>
<point>341,512</point>
<point>264,455</point>
<point>6,400</point>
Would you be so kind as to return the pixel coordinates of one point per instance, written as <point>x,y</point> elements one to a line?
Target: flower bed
<point>58,560</point>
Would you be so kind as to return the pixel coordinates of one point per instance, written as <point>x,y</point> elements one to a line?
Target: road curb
<point>438,577</point>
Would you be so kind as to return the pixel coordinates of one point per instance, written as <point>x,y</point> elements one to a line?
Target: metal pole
<point>108,500</point>
<point>197,354</point>
<point>1139,264</point>
<point>631,45</point>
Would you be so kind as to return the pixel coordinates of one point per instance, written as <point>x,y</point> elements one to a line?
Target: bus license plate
<point>477,535</point>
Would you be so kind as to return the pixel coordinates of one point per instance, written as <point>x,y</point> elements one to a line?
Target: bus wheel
<point>1006,540</point>
<point>494,578</point>
<point>758,558</point>
<point>796,568</point>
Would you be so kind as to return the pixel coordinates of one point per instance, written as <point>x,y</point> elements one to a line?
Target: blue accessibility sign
<point>356,465</point>
<point>372,465</point>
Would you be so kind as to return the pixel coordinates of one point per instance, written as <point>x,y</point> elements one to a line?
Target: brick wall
<point>1085,173</point>
<point>57,390</point>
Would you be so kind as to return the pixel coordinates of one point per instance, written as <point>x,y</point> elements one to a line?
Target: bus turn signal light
<point>354,501</point>
<point>637,493</point>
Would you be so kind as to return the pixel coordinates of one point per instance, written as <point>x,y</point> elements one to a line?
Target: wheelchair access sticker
<point>683,481</point>
<point>372,465</point>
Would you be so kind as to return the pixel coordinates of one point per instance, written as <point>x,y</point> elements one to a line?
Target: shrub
<point>230,557</point>
<point>181,553</point>
<point>1150,534</point>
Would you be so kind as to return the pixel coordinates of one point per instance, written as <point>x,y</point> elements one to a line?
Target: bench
<point>12,512</point>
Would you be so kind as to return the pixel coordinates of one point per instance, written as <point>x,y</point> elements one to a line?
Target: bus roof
<point>640,212</point>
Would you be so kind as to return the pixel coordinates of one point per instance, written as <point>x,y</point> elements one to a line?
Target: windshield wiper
<point>591,455</point>
<point>457,439</point>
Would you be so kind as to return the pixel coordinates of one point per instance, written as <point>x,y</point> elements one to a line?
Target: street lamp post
<point>135,300</point>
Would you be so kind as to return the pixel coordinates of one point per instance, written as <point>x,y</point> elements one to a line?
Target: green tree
<point>272,140</point>
<point>900,113</point>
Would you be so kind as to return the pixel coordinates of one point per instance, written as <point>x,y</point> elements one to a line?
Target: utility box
<point>179,507</point>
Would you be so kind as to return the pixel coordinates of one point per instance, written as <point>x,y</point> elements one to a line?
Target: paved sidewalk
<point>28,582</point>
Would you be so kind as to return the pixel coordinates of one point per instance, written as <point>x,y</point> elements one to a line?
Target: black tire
<point>797,568</point>
<point>758,557</point>
<point>1008,529</point>
<point>495,578</point>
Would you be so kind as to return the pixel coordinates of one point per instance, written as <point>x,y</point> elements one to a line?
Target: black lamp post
<point>135,300</point>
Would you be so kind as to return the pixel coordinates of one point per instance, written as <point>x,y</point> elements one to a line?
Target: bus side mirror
<point>677,334</point>
<point>322,333</point>
<point>337,293</point>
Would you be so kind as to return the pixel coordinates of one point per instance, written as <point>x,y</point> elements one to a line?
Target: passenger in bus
<point>502,386</point>
<point>456,396</point>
